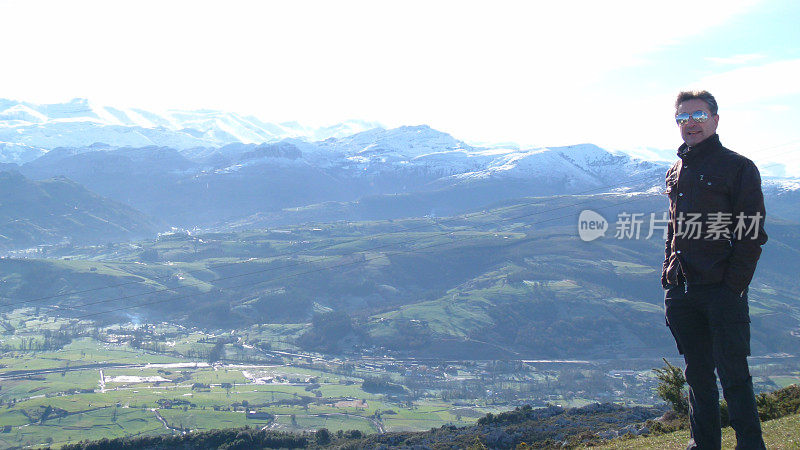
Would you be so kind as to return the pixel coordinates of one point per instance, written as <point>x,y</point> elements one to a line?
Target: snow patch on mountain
<point>21,114</point>
<point>578,166</point>
<point>652,154</point>
<point>11,153</point>
<point>404,142</point>
<point>80,123</point>
<point>777,185</point>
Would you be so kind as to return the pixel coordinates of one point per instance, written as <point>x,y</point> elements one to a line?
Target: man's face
<point>693,132</point>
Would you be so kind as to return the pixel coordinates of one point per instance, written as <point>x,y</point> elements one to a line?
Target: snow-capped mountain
<point>206,185</point>
<point>228,142</point>
<point>576,166</point>
<point>202,168</point>
<point>81,123</point>
<point>428,152</point>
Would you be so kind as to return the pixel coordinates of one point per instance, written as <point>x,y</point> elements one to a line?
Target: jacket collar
<point>712,142</point>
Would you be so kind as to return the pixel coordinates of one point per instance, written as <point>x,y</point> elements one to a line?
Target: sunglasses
<point>698,116</point>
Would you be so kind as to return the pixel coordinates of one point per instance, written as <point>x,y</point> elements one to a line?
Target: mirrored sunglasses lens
<point>682,118</point>
<point>699,116</point>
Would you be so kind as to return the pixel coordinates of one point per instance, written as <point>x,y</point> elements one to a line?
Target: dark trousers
<point>711,325</point>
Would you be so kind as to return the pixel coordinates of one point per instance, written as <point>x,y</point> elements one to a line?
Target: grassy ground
<point>783,433</point>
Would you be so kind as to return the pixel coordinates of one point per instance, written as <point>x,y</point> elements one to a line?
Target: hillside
<point>546,428</point>
<point>510,282</point>
<point>779,434</point>
<point>521,428</point>
<point>59,210</point>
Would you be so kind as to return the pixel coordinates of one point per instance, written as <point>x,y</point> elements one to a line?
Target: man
<point>714,240</point>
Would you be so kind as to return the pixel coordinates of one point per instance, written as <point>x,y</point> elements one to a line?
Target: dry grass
<point>783,433</point>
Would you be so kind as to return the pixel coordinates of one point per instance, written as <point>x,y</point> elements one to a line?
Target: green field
<point>57,397</point>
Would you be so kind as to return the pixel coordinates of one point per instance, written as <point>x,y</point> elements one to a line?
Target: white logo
<point>591,225</point>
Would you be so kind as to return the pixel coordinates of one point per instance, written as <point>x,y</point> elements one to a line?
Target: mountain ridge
<point>81,123</point>
<point>32,129</point>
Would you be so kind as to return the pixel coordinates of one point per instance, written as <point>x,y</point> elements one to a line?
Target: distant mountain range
<point>212,186</point>
<point>218,170</point>
<point>27,129</point>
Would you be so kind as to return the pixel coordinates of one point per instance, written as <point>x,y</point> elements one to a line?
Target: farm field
<point>132,381</point>
<point>91,389</point>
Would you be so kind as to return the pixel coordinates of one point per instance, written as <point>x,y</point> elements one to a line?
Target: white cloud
<point>754,83</point>
<point>736,59</point>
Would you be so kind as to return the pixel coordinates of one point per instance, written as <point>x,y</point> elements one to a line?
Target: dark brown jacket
<point>721,191</point>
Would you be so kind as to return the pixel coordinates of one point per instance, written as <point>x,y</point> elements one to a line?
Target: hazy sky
<point>531,72</point>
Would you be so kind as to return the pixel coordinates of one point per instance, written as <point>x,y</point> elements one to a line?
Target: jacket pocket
<point>712,194</point>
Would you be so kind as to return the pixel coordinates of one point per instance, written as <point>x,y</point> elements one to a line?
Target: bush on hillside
<point>670,388</point>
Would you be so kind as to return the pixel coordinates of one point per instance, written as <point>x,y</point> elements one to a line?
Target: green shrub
<point>671,387</point>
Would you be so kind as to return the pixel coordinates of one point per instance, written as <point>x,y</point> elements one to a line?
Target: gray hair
<point>700,95</point>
